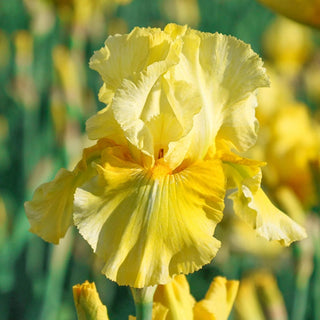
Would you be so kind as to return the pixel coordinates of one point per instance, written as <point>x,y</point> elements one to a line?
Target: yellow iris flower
<point>173,301</point>
<point>148,196</point>
<point>289,141</point>
<point>304,11</point>
<point>288,46</point>
<point>259,298</point>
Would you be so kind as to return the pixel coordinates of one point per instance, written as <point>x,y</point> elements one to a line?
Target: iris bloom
<point>148,195</point>
<point>288,45</point>
<point>173,301</point>
<point>290,142</point>
<point>259,298</point>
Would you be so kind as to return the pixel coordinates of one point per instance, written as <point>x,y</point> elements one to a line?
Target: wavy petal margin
<point>252,205</point>
<point>130,66</point>
<point>268,221</point>
<point>226,73</point>
<point>202,83</point>
<point>50,210</point>
<point>129,215</point>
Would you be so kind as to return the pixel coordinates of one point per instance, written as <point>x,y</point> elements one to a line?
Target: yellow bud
<point>88,303</point>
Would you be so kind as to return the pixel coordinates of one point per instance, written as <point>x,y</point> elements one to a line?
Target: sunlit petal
<point>126,55</point>
<point>242,171</point>
<point>225,72</point>
<point>128,215</point>
<point>103,124</point>
<point>253,206</point>
<point>268,221</point>
<point>50,210</point>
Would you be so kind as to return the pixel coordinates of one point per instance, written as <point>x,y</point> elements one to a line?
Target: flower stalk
<point>143,300</point>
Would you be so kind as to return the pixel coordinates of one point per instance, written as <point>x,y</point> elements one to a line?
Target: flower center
<point>160,168</point>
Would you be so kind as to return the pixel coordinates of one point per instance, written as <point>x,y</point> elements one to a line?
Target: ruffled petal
<point>241,171</point>
<point>218,301</point>
<point>175,92</point>
<point>268,221</point>
<point>103,124</point>
<point>176,297</point>
<point>226,73</point>
<point>123,56</point>
<point>51,208</point>
<point>128,215</point>
<point>253,206</point>
<point>130,66</point>
<point>136,103</point>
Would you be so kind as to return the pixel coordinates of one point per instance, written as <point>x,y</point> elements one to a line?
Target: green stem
<point>144,311</point>
<point>143,300</point>
<point>304,255</point>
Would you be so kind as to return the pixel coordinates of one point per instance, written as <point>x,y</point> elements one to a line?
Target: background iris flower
<point>307,11</point>
<point>172,301</point>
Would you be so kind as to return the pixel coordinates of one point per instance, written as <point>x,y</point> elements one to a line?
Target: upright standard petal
<point>180,91</point>
<point>125,56</point>
<point>128,215</point>
<point>225,72</point>
<point>132,64</point>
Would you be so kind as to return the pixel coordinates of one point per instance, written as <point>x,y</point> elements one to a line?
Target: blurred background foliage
<point>47,91</point>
